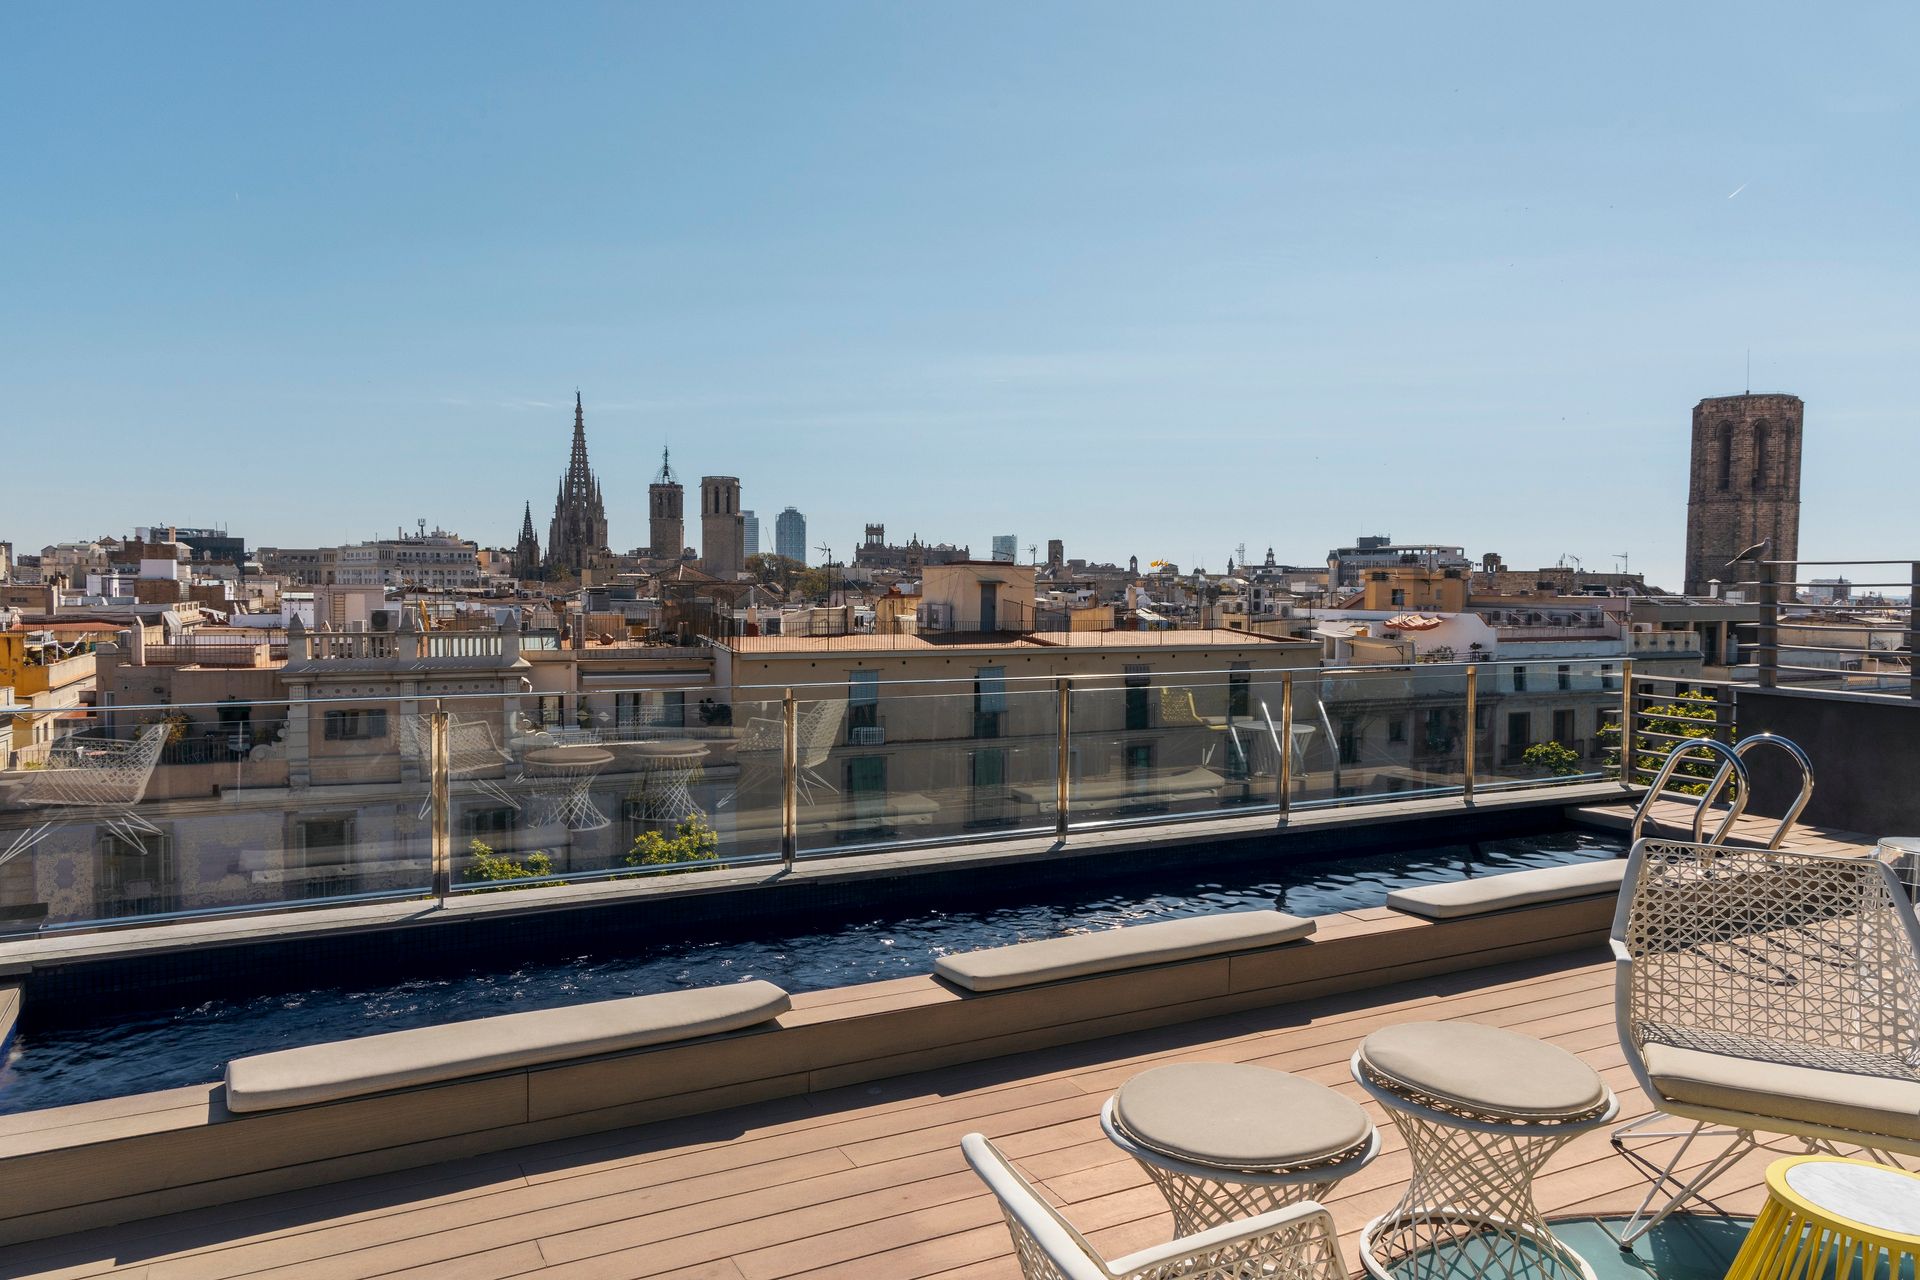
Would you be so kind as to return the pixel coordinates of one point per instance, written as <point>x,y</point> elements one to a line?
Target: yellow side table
<point>1828,1218</point>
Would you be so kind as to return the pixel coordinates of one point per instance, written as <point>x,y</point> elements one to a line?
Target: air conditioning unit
<point>382,619</point>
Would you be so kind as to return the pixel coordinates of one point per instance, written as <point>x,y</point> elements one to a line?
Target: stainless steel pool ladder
<point>1732,766</point>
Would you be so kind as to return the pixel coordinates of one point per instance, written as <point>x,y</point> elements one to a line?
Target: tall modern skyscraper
<point>666,526</point>
<point>1743,487</point>
<point>750,540</point>
<point>1006,546</point>
<point>722,535</point>
<point>578,533</point>
<point>790,535</point>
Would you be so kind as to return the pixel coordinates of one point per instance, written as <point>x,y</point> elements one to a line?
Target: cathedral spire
<point>526,524</point>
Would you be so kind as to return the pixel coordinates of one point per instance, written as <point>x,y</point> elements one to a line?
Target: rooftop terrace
<point>867,1180</point>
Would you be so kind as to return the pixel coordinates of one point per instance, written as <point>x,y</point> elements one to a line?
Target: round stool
<point>1225,1141</point>
<point>1481,1109</point>
<point>1826,1216</point>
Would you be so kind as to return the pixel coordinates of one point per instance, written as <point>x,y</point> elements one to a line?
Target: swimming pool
<point>53,1063</point>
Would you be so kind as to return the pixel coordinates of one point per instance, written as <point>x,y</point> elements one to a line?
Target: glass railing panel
<point>886,764</point>
<point>610,783</point>
<point>127,813</point>
<point>1375,733</point>
<point>1146,744</point>
<point>1545,721</point>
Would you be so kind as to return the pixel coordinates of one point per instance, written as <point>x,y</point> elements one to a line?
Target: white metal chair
<point>1763,991</point>
<point>816,732</point>
<point>472,754</point>
<point>1298,1242</point>
<point>90,773</point>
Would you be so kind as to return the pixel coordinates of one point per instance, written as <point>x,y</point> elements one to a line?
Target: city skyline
<point>901,266</point>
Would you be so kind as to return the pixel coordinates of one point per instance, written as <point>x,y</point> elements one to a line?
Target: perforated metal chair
<point>93,774</point>
<point>1297,1242</point>
<point>1764,992</point>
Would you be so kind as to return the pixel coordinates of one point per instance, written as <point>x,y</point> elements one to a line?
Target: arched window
<point>1726,455</point>
<point>1760,454</point>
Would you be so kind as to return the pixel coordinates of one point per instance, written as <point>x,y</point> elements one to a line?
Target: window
<point>1726,455</point>
<point>552,709</point>
<point>354,726</point>
<point>1398,597</point>
<point>1563,730</point>
<point>989,702</point>
<point>1139,757</point>
<point>1519,679</point>
<point>1606,676</point>
<point>867,789</point>
<point>647,710</point>
<point>1350,742</point>
<point>863,703</point>
<point>987,803</point>
<point>1519,734</point>
<point>1240,690</point>
<point>320,863</point>
<point>1397,729</point>
<point>137,876</point>
<point>488,824</point>
<point>1564,677</point>
<point>1137,683</point>
<point>1759,455</point>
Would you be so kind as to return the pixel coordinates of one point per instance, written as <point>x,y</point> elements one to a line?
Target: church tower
<point>578,535</point>
<point>526,554</point>
<point>1744,486</point>
<point>666,524</point>
<point>723,532</point>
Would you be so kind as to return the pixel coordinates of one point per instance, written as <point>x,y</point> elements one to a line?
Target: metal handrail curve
<point>1731,763</point>
<point>1799,804</point>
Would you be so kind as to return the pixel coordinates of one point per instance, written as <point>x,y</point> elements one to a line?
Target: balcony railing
<point>1835,633</point>
<point>174,811</point>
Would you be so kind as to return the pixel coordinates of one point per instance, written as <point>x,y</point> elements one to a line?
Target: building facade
<point>1006,547</point>
<point>577,538</point>
<point>722,529</point>
<point>750,533</point>
<point>1743,487</point>
<point>790,535</point>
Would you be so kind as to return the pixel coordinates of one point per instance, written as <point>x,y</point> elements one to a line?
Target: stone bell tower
<point>1744,486</point>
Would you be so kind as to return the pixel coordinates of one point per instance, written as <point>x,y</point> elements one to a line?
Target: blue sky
<point>1154,279</point>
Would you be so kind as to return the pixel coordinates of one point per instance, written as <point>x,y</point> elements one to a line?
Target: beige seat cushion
<point>1484,894</point>
<point>1234,1116</point>
<point>1836,1099</point>
<point>1025,964</point>
<point>424,1055</point>
<point>1485,1070</point>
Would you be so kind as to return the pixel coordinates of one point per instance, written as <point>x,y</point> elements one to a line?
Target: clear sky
<point>1152,279</point>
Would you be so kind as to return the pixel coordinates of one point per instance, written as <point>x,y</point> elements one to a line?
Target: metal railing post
<point>1063,757</point>
<point>1626,723</point>
<point>789,780</point>
<point>442,843</point>
<point>1283,785</point>
<point>1767,654</point>
<point>1473,732</point>
<point>1913,630</point>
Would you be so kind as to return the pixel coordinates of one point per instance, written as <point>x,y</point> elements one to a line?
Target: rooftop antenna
<point>1749,390</point>
<point>1625,560</point>
<point>1033,553</point>
<point>826,559</point>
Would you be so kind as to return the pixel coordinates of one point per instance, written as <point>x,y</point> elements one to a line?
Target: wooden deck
<point>866,1182</point>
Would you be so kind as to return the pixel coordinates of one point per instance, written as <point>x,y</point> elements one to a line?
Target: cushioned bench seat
<point>1079,955</point>
<point>424,1055</point>
<point>1877,1104</point>
<point>1485,894</point>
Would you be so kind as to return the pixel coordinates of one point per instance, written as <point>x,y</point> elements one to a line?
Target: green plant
<point>488,865</point>
<point>692,841</point>
<point>1555,758</point>
<point>1663,728</point>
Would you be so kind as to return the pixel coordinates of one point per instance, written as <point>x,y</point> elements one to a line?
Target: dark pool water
<point>139,1052</point>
